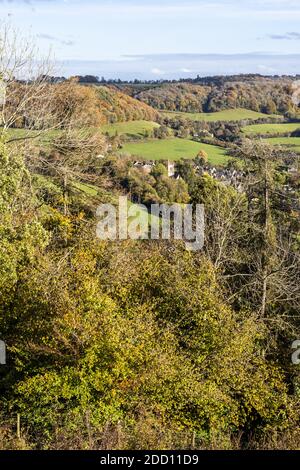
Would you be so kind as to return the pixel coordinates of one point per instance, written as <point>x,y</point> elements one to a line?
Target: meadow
<point>238,114</point>
<point>130,128</point>
<point>291,143</point>
<point>42,137</point>
<point>175,149</point>
<point>264,129</point>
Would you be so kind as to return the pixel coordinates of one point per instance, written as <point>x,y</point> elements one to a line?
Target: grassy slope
<point>174,149</point>
<point>131,128</point>
<point>263,129</point>
<point>88,189</point>
<point>226,115</point>
<point>292,143</point>
<point>118,106</point>
<point>42,137</point>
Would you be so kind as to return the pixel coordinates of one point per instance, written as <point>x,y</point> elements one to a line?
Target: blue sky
<point>163,38</point>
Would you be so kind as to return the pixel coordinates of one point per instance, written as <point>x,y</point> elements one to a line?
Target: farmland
<point>265,129</point>
<point>291,143</point>
<point>175,149</point>
<point>130,128</point>
<point>226,115</point>
<point>42,137</point>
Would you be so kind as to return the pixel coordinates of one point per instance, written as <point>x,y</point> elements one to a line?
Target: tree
<point>186,171</point>
<point>203,157</point>
<point>270,107</point>
<point>73,156</point>
<point>26,97</point>
<point>76,106</point>
<point>226,223</point>
<point>274,265</point>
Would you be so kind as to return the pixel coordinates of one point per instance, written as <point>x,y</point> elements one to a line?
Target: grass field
<point>42,137</point>
<point>174,149</point>
<point>264,129</point>
<point>88,189</point>
<point>227,115</point>
<point>130,128</point>
<point>292,143</point>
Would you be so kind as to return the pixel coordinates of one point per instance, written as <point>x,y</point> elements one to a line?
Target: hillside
<point>260,95</point>
<point>272,129</point>
<point>134,129</point>
<point>118,107</point>
<point>177,97</point>
<point>176,149</point>
<point>229,115</point>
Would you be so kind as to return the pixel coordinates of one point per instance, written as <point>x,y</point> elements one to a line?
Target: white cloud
<point>292,36</point>
<point>157,71</point>
<point>49,37</point>
<point>266,69</point>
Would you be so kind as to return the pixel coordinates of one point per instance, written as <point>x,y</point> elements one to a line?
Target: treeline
<point>270,95</point>
<point>208,80</point>
<point>86,105</point>
<point>266,96</point>
<point>227,131</point>
<point>117,106</point>
<point>177,97</point>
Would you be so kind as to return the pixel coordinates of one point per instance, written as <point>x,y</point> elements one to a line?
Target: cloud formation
<point>136,37</point>
<point>293,36</point>
<point>157,71</point>
<point>178,65</point>
<point>48,37</point>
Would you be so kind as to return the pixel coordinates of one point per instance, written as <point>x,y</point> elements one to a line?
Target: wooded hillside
<point>264,95</point>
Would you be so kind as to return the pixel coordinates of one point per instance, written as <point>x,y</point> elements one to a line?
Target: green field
<point>227,115</point>
<point>130,128</point>
<point>88,189</point>
<point>175,149</point>
<point>291,143</point>
<point>264,129</point>
<point>43,137</point>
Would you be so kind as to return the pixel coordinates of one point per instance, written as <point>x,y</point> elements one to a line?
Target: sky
<point>162,39</point>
